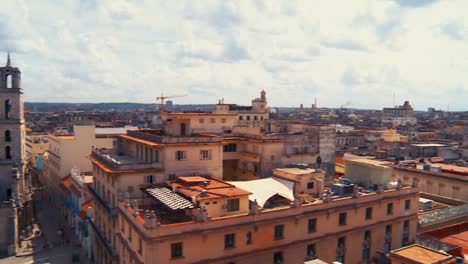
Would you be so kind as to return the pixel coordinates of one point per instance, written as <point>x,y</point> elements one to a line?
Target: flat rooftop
<point>423,145</point>
<point>419,254</point>
<point>296,171</point>
<point>372,162</point>
<point>206,188</point>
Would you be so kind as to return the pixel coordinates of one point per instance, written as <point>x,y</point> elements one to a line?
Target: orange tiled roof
<point>193,186</point>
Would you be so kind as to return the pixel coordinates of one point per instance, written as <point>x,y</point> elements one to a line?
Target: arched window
<point>7,136</point>
<point>7,109</point>
<point>8,81</point>
<point>8,152</point>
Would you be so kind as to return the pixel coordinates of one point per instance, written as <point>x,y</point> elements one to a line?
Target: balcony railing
<point>103,238</point>
<point>174,139</point>
<point>120,163</point>
<point>112,211</point>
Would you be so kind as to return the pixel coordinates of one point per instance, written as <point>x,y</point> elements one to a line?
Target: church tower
<point>13,188</point>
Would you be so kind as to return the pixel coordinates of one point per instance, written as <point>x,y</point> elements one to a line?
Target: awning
<point>169,198</point>
<point>264,189</point>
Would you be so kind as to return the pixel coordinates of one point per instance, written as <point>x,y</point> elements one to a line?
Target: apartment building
<point>231,143</point>
<point>399,115</point>
<point>144,158</point>
<point>69,150</point>
<point>36,146</point>
<point>205,220</point>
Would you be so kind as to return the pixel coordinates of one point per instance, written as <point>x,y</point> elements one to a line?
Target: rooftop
<point>372,162</point>
<point>443,214</point>
<point>423,145</point>
<point>419,254</point>
<point>263,189</point>
<point>206,188</point>
<point>296,171</point>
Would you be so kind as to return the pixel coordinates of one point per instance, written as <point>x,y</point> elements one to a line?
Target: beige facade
<point>367,171</point>
<point>67,151</point>
<point>285,234</point>
<point>307,181</point>
<point>440,183</point>
<point>231,143</point>
<point>36,145</point>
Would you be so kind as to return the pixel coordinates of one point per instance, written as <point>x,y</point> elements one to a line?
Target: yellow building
<point>205,220</point>
<point>230,143</point>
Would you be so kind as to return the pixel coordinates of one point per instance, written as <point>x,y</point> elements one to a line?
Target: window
<point>241,118</point>
<point>140,247</point>
<point>248,118</point>
<point>366,246</point>
<point>407,204</point>
<point>201,120</point>
<point>233,205</point>
<point>311,250</point>
<point>405,237</point>
<point>8,81</point>
<point>389,208</point>
<point>156,156</point>
<point>212,120</point>
<point>342,219</point>
<point>312,225</point>
<point>177,250</point>
<point>255,118</point>
<point>150,179</point>
<point>278,258</point>
<point>388,238</point>
<point>223,120</point>
<point>310,185</point>
<point>7,109</point>
<point>7,136</point>
<point>340,250</point>
<point>205,154</point>
<point>232,147</point>
<point>248,238</point>
<point>279,230</point>
<point>8,152</point>
<point>229,240</point>
<point>368,213</point>
<point>181,155</point>
<point>130,234</point>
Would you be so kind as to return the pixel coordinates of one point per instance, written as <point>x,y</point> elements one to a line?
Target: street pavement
<point>51,247</point>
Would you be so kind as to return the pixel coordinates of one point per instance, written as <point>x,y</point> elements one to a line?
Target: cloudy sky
<point>354,53</point>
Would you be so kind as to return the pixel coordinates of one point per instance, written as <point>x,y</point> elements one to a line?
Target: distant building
<point>399,116</point>
<point>439,179</point>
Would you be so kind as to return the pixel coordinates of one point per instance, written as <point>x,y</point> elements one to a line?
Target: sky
<point>359,54</point>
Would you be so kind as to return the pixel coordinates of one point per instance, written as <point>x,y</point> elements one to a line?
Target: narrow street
<point>51,247</point>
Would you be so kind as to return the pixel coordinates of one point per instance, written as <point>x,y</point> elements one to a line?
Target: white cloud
<point>122,50</point>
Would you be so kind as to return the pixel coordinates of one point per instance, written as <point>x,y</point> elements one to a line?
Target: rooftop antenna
<point>394,99</point>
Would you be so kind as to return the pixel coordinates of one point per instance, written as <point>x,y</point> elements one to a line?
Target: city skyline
<point>358,56</point>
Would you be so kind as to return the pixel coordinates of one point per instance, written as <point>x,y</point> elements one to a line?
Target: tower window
<point>8,82</point>
<point>8,152</point>
<point>7,136</point>
<point>7,109</point>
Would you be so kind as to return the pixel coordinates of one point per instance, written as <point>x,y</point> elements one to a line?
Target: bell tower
<point>13,186</point>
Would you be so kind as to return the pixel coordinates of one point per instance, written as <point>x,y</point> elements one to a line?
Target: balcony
<point>112,211</point>
<point>122,162</point>
<point>107,244</point>
<point>175,139</point>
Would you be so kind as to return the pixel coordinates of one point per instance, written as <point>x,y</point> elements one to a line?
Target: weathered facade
<point>15,188</point>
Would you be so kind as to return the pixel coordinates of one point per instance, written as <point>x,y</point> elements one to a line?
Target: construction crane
<point>162,98</point>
